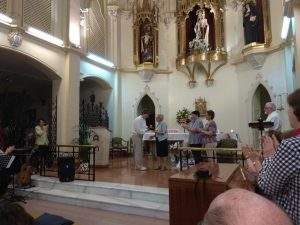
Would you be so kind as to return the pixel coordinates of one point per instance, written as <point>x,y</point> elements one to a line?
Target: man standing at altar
<point>139,129</point>
<point>273,116</point>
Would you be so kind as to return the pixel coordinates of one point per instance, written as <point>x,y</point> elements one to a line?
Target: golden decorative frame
<point>141,14</point>
<point>209,62</point>
<point>267,31</point>
<point>201,106</point>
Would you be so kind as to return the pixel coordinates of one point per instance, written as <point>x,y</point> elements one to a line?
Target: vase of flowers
<point>182,115</point>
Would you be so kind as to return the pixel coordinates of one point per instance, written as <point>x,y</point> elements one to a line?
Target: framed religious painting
<point>256,24</point>
<point>200,106</point>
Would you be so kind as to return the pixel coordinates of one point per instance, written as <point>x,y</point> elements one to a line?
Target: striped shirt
<point>195,137</point>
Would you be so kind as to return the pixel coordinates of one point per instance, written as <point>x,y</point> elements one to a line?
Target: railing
<point>229,155</point>
<point>84,157</point>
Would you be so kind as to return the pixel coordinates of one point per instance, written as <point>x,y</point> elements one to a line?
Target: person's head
<point>210,115</point>
<point>294,109</point>
<point>269,108</point>
<point>239,206</point>
<point>145,114</point>
<point>195,115</point>
<point>41,122</point>
<point>14,214</point>
<point>159,118</point>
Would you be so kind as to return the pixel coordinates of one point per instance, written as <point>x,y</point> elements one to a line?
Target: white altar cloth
<point>183,137</point>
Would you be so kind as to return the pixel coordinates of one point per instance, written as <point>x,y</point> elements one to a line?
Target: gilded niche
<point>257,25</point>
<point>200,38</point>
<point>145,28</point>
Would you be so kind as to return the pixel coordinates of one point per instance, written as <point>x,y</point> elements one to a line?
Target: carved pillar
<point>182,38</point>
<point>218,30</point>
<point>114,56</point>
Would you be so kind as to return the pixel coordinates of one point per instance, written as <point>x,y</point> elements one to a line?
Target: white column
<point>297,46</point>
<point>68,100</point>
<point>114,56</point>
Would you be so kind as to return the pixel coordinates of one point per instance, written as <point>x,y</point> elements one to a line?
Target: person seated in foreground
<point>7,151</point>
<point>242,207</point>
<point>278,169</point>
<point>14,214</point>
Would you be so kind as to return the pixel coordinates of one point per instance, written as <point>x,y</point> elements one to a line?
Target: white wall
<point>230,96</point>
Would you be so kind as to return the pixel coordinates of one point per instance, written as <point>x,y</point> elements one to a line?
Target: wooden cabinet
<point>190,198</point>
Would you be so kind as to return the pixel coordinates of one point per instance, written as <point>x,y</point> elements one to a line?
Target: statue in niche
<point>147,45</point>
<point>201,29</point>
<point>251,23</point>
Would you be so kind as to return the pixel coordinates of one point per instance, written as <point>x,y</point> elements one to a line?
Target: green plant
<point>84,139</point>
<point>182,115</point>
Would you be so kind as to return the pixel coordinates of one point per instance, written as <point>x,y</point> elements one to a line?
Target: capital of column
<point>113,11</point>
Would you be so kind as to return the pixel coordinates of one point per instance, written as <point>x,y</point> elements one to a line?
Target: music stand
<point>261,125</point>
<point>7,165</point>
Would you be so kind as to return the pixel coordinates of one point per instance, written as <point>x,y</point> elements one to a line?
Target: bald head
<point>241,207</point>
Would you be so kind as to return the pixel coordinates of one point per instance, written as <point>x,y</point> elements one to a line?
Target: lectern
<point>190,198</point>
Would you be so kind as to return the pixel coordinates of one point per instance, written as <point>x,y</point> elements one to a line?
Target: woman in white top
<point>162,147</point>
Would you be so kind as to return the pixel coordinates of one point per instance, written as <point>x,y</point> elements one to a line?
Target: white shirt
<point>275,118</point>
<point>139,126</point>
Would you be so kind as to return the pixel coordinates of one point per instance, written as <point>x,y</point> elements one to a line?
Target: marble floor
<point>88,216</point>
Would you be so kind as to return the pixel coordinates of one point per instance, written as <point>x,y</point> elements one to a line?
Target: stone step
<point>110,203</point>
<point>116,190</point>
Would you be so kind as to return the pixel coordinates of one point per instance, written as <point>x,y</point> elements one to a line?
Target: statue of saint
<point>251,23</point>
<point>147,46</point>
<point>201,29</point>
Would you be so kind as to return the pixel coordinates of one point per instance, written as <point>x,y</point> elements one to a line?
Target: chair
<point>227,156</point>
<point>119,147</point>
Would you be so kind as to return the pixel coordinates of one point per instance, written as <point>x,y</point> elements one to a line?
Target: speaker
<point>66,169</point>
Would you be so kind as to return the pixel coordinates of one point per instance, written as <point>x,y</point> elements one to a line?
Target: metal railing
<point>84,158</point>
<point>220,155</point>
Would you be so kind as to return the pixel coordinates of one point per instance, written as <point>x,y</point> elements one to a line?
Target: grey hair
<point>161,116</point>
<point>272,105</point>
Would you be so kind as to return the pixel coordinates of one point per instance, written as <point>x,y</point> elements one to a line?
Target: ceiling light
<point>285,27</point>
<point>45,36</point>
<point>100,60</point>
<point>5,19</point>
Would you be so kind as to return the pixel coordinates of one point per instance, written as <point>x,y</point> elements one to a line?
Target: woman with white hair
<point>162,147</point>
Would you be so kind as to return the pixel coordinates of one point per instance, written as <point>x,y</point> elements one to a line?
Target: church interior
<point>180,112</point>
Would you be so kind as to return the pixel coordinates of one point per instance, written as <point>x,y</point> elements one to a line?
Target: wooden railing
<point>215,154</point>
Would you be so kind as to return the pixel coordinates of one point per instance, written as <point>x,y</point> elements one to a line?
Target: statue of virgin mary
<point>201,29</point>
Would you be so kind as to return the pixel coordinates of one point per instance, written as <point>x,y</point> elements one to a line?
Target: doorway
<point>260,98</point>
<point>146,103</point>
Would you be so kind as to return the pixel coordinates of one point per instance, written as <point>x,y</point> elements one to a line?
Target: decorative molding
<point>144,92</point>
<point>135,70</point>
<point>113,11</point>
<point>15,38</point>
<point>260,51</point>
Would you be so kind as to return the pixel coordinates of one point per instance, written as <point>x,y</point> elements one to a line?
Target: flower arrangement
<point>182,115</point>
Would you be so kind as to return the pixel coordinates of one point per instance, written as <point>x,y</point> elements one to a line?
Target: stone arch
<point>151,95</point>
<point>11,57</point>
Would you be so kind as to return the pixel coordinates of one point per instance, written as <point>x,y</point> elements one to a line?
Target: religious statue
<point>201,29</point>
<point>147,45</point>
<point>251,23</point>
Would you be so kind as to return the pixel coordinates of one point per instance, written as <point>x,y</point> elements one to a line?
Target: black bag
<point>48,219</point>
